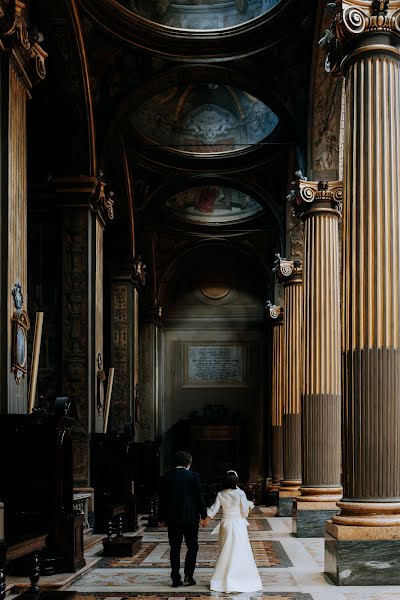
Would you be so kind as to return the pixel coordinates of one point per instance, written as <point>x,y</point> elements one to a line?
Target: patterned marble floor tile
<point>316,549</point>
<point>156,555</point>
<point>215,596</point>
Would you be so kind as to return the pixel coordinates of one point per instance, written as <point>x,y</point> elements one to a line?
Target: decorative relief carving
<point>284,268</point>
<point>353,18</point>
<point>326,107</point>
<point>274,312</point>
<point>103,197</point>
<point>75,332</point>
<point>23,40</point>
<point>121,345</point>
<point>327,193</point>
<point>139,272</point>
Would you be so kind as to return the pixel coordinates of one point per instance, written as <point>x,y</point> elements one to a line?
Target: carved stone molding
<point>313,194</point>
<point>287,270</point>
<point>103,198</point>
<point>274,313</point>
<point>139,272</point>
<point>23,41</point>
<point>92,192</point>
<point>355,17</point>
<point>240,40</point>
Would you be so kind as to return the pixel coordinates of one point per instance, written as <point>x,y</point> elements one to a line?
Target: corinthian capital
<point>23,41</point>
<point>287,270</point>
<point>309,194</point>
<point>355,17</point>
<point>274,313</point>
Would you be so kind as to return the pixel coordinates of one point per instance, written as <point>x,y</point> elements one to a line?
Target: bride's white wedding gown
<point>236,569</point>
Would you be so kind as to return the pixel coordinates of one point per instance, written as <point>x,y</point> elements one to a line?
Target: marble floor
<point>290,568</point>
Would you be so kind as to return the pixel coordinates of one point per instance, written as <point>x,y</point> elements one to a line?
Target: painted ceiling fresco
<point>204,118</point>
<point>199,14</point>
<point>212,205</point>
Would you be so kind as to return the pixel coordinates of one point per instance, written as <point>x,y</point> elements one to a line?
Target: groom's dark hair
<point>182,459</point>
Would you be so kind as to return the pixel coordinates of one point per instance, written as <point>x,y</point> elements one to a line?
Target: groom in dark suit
<point>182,508</point>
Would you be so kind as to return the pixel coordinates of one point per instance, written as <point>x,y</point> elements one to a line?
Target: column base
<point>309,518</point>
<point>285,502</point>
<point>365,556</point>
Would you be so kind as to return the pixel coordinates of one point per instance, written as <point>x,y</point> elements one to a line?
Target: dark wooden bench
<point>112,481</point>
<point>10,551</point>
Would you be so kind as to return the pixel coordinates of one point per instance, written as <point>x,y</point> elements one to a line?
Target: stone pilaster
<point>22,64</point>
<point>364,539</point>
<point>85,204</point>
<point>318,203</point>
<point>289,273</point>
<point>275,315</point>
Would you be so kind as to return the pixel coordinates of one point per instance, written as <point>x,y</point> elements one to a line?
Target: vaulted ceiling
<point>195,110</point>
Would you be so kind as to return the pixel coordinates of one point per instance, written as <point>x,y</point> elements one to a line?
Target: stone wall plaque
<point>214,365</point>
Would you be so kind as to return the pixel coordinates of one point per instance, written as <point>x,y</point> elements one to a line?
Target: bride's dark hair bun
<point>230,481</point>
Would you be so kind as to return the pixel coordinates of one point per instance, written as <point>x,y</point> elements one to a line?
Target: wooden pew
<point>36,487</point>
<point>112,481</point>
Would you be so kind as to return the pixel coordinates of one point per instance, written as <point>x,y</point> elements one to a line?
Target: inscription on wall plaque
<point>213,365</point>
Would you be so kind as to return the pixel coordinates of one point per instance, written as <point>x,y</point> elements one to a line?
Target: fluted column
<point>366,49</point>
<point>289,273</point>
<point>275,315</point>
<point>318,203</point>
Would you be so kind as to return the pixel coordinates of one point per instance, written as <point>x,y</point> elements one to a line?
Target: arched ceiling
<point>204,118</point>
<point>212,205</point>
<point>199,14</point>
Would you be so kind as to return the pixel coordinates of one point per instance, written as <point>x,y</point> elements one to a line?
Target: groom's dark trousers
<point>181,507</point>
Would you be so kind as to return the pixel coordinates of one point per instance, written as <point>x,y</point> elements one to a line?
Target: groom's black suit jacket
<point>181,499</point>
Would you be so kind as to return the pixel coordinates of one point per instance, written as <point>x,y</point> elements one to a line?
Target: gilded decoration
<point>23,41</point>
<point>355,18</point>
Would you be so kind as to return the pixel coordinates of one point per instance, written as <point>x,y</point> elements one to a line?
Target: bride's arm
<point>212,511</point>
<point>244,504</point>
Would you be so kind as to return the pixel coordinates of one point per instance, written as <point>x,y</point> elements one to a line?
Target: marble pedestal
<point>362,555</point>
<point>309,518</point>
<point>122,546</point>
<point>285,502</point>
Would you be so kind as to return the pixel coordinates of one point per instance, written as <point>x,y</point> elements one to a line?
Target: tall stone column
<point>125,288</point>
<point>363,542</point>
<point>85,204</point>
<point>318,203</point>
<point>289,273</point>
<point>275,315</point>
<point>22,65</point>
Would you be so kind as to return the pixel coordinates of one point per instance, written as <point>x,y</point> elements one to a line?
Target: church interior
<point>200,251</point>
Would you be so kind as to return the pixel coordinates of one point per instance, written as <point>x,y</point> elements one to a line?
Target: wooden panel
<point>17,216</point>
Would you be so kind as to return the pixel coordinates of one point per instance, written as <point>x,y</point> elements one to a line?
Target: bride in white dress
<point>236,569</point>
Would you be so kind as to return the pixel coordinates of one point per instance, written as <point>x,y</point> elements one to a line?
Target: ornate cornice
<point>355,17</point>
<point>316,196</point>
<point>196,45</point>
<point>287,271</point>
<point>21,40</point>
<point>274,313</point>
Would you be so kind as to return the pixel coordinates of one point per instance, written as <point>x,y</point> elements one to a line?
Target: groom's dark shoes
<point>189,580</point>
<point>177,583</point>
